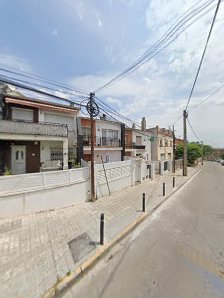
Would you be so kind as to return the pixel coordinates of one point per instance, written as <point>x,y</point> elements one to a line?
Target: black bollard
<point>143,202</point>
<point>102,229</point>
<point>164,189</point>
<point>173,181</point>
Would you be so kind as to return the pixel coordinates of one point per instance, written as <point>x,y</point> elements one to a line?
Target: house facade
<point>107,140</point>
<point>36,135</point>
<point>137,143</point>
<point>162,143</point>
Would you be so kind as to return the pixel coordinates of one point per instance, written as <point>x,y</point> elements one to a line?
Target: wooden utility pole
<point>93,198</point>
<point>174,150</point>
<point>185,143</point>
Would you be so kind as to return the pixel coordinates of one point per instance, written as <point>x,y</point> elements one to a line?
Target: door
<point>18,159</point>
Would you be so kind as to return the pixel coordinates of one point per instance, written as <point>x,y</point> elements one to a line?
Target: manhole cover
<point>81,246</point>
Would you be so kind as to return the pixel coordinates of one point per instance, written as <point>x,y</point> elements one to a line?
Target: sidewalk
<point>34,248</point>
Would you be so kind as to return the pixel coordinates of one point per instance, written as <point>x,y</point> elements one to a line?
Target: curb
<point>68,279</point>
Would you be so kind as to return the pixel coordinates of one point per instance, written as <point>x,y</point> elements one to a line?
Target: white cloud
<point>159,90</point>
<point>12,61</point>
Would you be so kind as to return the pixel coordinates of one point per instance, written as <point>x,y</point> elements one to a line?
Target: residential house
<point>35,135</point>
<point>162,143</point>
<point>107,140</point>
<point>138,141</point>
<point>179,141</point>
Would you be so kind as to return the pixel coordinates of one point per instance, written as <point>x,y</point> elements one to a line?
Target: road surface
<point>177,252</point>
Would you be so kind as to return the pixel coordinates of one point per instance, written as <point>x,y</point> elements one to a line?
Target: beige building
<point>162,143</point>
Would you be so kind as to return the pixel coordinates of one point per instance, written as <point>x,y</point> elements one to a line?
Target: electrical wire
<point>154,49</point>
<point>193,130</point>
<point>206,98</point>
<point>41,79</point>
<point>203,54</point>
<point>24,87</point>
<point>40,86</point>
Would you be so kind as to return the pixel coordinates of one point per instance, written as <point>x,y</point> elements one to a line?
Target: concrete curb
<point>70,278</point>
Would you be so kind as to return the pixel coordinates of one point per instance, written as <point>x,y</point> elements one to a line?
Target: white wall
<point>113,155</point>
<point>62,118</point>
<point>119,175</point>
<point>103,124</point>
<point>22,194</point>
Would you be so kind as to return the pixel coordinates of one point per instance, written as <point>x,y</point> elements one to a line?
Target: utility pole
<point>93,198</point>
<point>185,114</point>
<point>174,150</point>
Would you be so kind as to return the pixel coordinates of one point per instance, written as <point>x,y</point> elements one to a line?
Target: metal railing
<point>30,128</point>
<point>135,146</point>
<point>102,142</point>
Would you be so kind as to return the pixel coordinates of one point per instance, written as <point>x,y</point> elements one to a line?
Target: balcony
<point>30,128</point>
<point>102,142</point>
<point>135,146</point>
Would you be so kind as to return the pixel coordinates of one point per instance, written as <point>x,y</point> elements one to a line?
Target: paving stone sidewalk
<point>34,250</point>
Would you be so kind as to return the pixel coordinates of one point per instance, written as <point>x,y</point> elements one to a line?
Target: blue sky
<point>84,43</point>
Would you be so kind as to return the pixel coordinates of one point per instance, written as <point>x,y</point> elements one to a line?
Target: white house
<point>107,140</point>
<point>36,135</point>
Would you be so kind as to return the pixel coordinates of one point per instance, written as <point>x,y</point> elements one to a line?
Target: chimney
<point>143,124</point>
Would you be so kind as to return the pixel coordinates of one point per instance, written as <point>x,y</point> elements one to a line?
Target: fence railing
<point>28,182</point>
<point>30,128</point>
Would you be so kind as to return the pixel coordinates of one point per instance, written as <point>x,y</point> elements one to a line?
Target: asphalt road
<point>177,252</point>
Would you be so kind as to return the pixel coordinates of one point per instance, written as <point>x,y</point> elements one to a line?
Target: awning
<point>34,104</point>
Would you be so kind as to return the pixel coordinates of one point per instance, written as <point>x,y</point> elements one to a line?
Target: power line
<point>40,86</point>
<point>106,106</point>
<point>25,87</point>
<point>201,102</point>
<point>206,98</point>
<point>42,79</point>
<point>203,54</point>
<point>193,130</point>
<point>151,52</point>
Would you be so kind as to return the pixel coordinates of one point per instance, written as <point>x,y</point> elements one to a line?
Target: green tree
<point>207,150</point>
<point>179,151</point>
<point>194,151</point>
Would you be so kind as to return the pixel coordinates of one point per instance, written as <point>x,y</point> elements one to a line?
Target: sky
<point>85,43</point>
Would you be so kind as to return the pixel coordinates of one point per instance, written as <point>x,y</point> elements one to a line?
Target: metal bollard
<point>173,181</point>
<point>164,189</point>
<point>102,229</point>
<point>143,202</point>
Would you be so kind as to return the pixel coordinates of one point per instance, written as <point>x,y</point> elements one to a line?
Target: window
<point>169,156</point>
<point>86,131</point>
<point>110,134</point>
<point>138,140</point>
<point>22,114</point>
<point>166,143</point>
<point>171,144</point>
<point>162,156</point>
<point>161,143</point>
<point>56,154</point>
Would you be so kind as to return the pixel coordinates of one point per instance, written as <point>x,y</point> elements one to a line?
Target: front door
<point>18,159</point>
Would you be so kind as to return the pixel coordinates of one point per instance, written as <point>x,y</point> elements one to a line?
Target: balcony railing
<point>30,128</point>
<point>134,146</point>
<point>102,142</point>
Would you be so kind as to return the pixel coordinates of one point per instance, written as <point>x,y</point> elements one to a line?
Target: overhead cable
<point>203,54</point>
<point>173,31</point>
